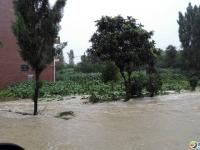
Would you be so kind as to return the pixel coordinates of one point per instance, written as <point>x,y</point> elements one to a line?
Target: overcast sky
<point>159,16</point>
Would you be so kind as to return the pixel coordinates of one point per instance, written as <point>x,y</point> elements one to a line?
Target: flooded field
<point>165,122</point>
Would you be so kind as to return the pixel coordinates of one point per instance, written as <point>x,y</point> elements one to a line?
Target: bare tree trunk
<point>36,94</point>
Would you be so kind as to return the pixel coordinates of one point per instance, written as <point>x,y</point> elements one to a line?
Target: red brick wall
<point>10,60</point>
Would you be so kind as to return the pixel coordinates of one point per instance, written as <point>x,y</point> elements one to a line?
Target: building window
<point>24,67</point>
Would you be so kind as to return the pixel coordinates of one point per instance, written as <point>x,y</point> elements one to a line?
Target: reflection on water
<point>165,122</point>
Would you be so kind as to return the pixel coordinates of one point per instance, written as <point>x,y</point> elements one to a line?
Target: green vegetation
<point>72,83</point>
<point>6,95</point>
<point>71,57</point>
<point>173,80</point>
<point>127,44</point>
<point>77,83</point>
<point>122,62</point>
<point>189,37</point>
<point>193,82</point>
<point>154,84</point>
<point>110,74</point>
<point>36,28</point>
<point>170,58</point>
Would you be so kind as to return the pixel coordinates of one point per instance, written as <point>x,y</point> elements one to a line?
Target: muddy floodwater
<point>165,122</point>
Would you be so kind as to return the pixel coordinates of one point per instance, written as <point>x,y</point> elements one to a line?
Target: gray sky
<point>159,16</point>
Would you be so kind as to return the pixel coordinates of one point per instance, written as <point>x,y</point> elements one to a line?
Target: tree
<point>59,52</point>
<point>110,74</point>
<point>189,33</point>
<point>71,57</point>
<point>171,55</point>
<point>160,59</point>
<point>36,29</point>
<point>125,43</point>
<point>154,83</point>
<point>193,80</point>
<point>90,64</point>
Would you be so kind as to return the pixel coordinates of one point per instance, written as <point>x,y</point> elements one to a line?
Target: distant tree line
<point>170,58</point>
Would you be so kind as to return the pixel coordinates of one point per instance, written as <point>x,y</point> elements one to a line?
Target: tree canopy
<point>122,40</point>
<point>171,56</point>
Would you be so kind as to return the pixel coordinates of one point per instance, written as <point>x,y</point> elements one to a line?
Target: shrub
<point>6,94</point>
<point>138,83</point>
<point>193,82</point>
<point>23,89</point>
<point>110,73</point>
<point>154,84</point>
<point>94,98</point>
<point>173,80</point>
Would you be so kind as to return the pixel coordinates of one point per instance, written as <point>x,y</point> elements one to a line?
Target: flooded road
<point>165,122</point>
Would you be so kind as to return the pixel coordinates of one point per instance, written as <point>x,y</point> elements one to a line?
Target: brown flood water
<point>165,122</point>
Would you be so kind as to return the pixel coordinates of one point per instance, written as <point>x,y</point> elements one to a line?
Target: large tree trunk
<point>36,94</point>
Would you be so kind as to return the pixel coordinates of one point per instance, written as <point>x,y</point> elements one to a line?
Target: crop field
<point>70,82</point>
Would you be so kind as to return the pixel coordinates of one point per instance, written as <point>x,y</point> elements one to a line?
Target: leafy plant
<point>193,82</point>
<point>76,83</point>
<point>154,84</point>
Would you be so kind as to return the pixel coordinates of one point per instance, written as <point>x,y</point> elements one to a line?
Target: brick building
<point>12,68</point>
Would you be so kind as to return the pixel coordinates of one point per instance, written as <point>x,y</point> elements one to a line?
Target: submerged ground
<point>167,122</point>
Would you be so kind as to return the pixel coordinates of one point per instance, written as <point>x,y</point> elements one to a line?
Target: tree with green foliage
<point>59,52</point>
<point>110,74</point>
<point>193,80</point>
<point>154,82</point>
<point>36,29</point>
<point>189,33</point>
<point>160,59</point>
<point>71,57</point>
<point>90,64</point>
<point>170,58</point>
<point>124,42</point>
<point>171,55</point>
<point>61,57</point>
